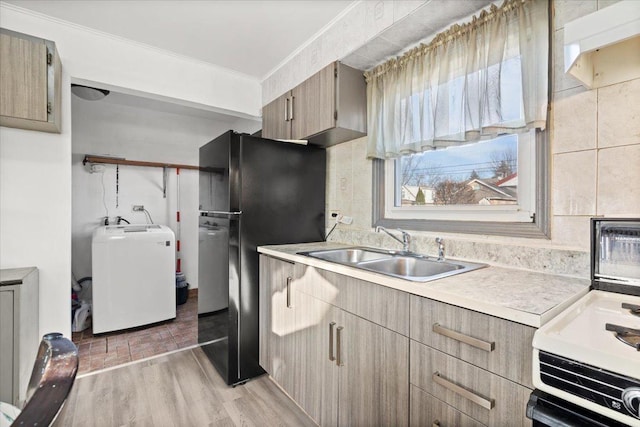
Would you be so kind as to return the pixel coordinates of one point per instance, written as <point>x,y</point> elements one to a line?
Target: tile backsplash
<point>595,167</point>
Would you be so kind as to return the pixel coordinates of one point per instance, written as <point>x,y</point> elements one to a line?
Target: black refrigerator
<point>253,191</point>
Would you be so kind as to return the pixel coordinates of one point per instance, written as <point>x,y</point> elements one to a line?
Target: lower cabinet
<point>479,365</point>
<point>341,347</point>
<point>484,396</point>
<point>277,322</point>
<point>372,364</point>
<point>427,411</point>
<point>343,369</point>
<point>19,337</point>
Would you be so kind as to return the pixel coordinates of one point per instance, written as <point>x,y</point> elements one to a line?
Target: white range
<point>588,357</point>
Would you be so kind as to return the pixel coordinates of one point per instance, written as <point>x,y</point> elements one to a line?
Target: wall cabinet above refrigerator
<point>30,79</point>
<point>328,108</point>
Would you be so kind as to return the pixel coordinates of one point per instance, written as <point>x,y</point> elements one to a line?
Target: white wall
<point>138,133</point>
<point>35,213</point>
<point>35,168</point>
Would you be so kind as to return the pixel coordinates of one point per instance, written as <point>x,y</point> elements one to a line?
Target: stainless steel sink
<point>405,265</point>
<point>349,255</point>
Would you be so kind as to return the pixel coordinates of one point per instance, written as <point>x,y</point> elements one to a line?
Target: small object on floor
<point>81,317</point>
<point>182,293</point>
<point>182,289</point>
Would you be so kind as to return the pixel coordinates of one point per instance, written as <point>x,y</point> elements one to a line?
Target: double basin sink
<point>405,265</point>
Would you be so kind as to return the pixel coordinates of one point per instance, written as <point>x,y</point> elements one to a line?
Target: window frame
<point>537,228</point>
<point>520,212</point>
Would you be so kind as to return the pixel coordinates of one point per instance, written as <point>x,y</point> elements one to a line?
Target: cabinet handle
<point>338,342</point>
<point>436,423</point>
<point>291,107</point>
<point>289,305</point>
<point>331,356</point>
<point>286,109</point>
<point>485,403</point>
<point>482,345</point>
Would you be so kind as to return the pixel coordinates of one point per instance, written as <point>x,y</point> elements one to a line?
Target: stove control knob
<point>631,400</point>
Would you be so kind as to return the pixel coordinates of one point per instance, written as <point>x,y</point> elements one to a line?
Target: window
<point>395,205</point>
<point>491,180</point>
<point>458,127</point>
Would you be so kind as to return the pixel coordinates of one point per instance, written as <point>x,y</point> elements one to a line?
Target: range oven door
<point>547,410</point>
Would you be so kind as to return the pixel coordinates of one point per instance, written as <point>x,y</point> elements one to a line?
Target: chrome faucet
<point>440,243</point>
<point>406,237</point>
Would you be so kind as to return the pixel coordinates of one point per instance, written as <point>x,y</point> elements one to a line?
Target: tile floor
<point>116,348</point>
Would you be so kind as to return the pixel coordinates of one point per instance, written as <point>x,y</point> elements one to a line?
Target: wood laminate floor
<point>177,389</point>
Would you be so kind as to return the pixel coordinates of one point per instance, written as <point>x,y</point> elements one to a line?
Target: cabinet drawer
<point>381,305</point>
<point>494,344</point>
<point>427,411</point>
<point>484,396</point>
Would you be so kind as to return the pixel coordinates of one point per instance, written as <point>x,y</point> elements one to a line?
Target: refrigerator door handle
<point>220,214</point>
<point>291,107</point>
<point>286,109</point>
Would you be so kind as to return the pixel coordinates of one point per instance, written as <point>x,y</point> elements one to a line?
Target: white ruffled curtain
<point>472,82</point>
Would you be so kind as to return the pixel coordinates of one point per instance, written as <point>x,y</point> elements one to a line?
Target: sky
<point>459,162</point>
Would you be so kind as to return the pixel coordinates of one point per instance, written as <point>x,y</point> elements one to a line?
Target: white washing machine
<point>133,276</point>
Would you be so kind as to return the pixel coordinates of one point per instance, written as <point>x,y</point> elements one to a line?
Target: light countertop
<point>521,296</point>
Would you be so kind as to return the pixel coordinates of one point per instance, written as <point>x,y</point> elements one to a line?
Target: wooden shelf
<point>122,161</point>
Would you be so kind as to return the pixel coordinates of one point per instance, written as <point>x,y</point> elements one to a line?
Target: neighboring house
<point>484,192</point>
<point>501,192</point>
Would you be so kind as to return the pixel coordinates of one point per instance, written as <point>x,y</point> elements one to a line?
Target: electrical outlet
<point>138,208</point>
<point>96,168</point>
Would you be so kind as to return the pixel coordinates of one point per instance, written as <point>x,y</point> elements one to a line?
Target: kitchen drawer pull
<point>289,305</point>
<point>331,356</point>
<point>436,423</point>
<point>485,403</point>
<point>338,344</point>
<point>482,345</point>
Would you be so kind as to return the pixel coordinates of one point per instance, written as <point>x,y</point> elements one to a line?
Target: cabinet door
<point>23,78</point>
<point>314,104</point>
<point>374,376</point>
<point>428,411</point>
<point>275,118</point>
<point>481,395</point>
<point>277,321</point>
<point>316,374</point>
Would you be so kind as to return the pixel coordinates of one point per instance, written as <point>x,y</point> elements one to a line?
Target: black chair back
<point>51,381</point>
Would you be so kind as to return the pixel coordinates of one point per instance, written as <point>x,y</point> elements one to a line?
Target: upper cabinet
<point>328,108</point>
<point>30,79</point>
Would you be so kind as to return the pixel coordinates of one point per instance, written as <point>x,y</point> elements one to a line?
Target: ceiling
<point>252,37</point>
